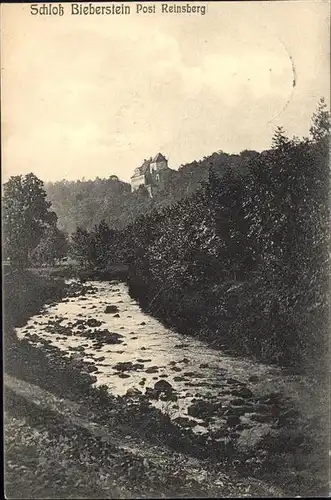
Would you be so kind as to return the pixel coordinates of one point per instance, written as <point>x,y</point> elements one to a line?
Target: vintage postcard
<point>165,237</point>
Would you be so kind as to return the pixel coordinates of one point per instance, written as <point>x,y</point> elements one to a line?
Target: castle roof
<point>142,169</point>
<point>158,157</point>
<point>145,165</point>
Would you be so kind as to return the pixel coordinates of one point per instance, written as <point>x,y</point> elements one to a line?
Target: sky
<point>88,96</point>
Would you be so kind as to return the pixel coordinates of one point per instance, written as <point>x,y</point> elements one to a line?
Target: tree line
<point>242,261</point>
<point>86,203</point>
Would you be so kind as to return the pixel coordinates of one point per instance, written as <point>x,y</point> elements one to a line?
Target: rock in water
<point>111,309</point>
<point>93,322</point>
<point>163,386</point>
<point>176,369</point>
<point>128,366</point>
<point>152,369</point>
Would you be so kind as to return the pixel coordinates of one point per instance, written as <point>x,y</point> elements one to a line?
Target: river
<point>209,386</point>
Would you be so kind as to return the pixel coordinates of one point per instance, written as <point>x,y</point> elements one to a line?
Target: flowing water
<point>153,352</point>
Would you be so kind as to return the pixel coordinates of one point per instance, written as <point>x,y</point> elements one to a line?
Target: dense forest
<point>86,203</point>
<point>243,260</point>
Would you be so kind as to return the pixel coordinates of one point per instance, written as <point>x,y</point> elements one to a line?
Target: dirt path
<point>95,461</point>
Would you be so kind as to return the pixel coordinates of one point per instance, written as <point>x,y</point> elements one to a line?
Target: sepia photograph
<point>165,249</point>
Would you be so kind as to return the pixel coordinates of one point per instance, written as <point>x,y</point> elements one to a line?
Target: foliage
<point>25,293</point>
<point>97,247</point>
<point>82,247</point>
<point>53,246</point>
<point>320,127</point>
<point>26,216</point>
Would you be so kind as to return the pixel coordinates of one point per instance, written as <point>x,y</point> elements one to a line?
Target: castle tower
<point>150,174</point>
<point>158,163</point>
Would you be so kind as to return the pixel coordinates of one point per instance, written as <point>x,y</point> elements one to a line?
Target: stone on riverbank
<point>151,393</point>
<point>202,408</point>
<point>163,386</point>
<point>262,417</point>
<point>133,392</point>
<point>233,420</point>
<point>243,392</point>
<point>91,368</point>
<point>185,422</point>
<point>162,390</point>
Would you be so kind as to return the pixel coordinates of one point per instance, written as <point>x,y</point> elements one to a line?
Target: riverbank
<point>111,272</point>
<point>70,377</point>
<point>26,292</point>
<point>35,436</point>
<point>115,464</point>
<point>241,317</point>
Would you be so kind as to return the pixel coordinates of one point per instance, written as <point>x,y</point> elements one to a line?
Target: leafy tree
<point>26,216</point>
<point>82,247</point>
<point>103,238</point>
<point>53,246</point>
<point>320,127</point>
<point>225,197</point>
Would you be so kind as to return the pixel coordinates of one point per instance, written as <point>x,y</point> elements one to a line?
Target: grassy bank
<point>116,272</point>
<point>243,317</point>
<point>26,292</point>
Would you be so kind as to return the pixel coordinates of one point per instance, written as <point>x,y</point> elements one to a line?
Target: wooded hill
<point>243,260</point>
<point>85,204</point>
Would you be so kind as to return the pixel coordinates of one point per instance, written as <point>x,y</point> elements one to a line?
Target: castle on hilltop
<point>150,174</point>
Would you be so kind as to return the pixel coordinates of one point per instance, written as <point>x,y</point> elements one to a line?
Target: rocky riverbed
<point>105,333</point>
